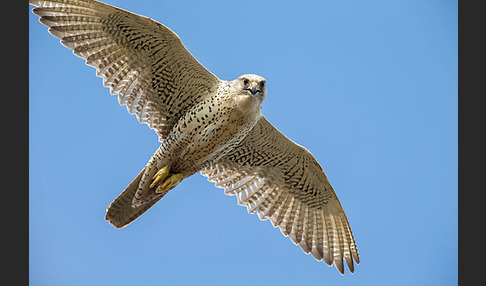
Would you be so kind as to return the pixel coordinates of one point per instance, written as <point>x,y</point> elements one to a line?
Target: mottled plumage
<point>205,125</point>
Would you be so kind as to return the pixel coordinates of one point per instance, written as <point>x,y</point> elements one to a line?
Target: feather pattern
<point>139,59</point>
<point>158,80</point>
<point>283,182</point>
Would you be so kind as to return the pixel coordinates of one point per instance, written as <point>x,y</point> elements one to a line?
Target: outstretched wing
<point>139,59</point>
<point>283,182</point>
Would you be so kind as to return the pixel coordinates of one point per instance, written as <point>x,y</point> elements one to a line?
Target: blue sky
<point>369,87</point>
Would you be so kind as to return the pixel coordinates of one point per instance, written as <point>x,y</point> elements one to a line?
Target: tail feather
<point>120,212</point>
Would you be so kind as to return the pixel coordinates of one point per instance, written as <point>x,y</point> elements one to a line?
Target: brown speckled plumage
<point>204,125</point>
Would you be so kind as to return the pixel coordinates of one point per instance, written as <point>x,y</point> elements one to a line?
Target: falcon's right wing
<point>141,60</point>
<point>283,182</point>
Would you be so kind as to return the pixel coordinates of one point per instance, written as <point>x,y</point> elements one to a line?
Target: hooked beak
<point>253,88</point>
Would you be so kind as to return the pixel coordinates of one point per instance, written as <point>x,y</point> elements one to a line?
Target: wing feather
<point>318,237</point>
<point>288,220</point>
<point>139,59</point>
<point>306,242</point>
<point>283,182</point>
<point>296,234</point>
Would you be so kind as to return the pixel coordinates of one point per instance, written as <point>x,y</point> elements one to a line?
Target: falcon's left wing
<point>283,182</point>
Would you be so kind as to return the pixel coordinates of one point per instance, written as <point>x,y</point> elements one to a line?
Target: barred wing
<point>139,59</point>
<point>283,182</point>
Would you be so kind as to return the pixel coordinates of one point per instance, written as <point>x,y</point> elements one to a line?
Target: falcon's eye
<point>246,81</point>
<point>262,84</point>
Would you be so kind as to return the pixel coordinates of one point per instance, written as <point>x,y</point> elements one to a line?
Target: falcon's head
<point>253,85</point>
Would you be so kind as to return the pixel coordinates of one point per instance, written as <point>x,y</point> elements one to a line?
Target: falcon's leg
<point>164,180</point>
<point>160,176</point>
<point>170,183</point>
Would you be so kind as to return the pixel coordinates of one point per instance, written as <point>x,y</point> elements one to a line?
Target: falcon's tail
<point>120,212</point>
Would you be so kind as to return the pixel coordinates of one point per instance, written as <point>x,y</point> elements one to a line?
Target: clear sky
<point>369,87</point>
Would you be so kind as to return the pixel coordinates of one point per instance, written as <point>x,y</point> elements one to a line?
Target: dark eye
<point>262,84</point>
<point>246,81</point>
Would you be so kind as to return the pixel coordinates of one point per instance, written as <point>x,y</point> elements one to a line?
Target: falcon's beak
<point>254,89</point>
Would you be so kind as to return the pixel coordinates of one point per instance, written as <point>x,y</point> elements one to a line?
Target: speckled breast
<point>207,132</point>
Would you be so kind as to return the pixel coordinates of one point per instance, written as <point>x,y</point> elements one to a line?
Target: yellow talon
<point>171,182</point>
<point>160,176</point>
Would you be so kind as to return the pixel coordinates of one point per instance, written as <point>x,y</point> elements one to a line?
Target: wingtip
<point>349,262</point>
<point>327,258</point>
<point>39,11</point>
<point>338,263</point>
<point>356,257</point>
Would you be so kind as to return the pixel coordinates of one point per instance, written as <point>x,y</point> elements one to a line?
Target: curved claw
<point>169,183</point>
<point>160,176</point>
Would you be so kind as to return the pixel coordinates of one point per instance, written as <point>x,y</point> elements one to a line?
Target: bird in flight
<point>204,124</point>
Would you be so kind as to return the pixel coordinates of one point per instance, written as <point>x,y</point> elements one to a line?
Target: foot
<point>169,183</point>
<point>160,176</point>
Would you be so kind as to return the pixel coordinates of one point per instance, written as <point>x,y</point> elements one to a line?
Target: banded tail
<point>120,212</point>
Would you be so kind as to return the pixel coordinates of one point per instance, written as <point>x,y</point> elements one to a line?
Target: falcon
<point>205,124</point>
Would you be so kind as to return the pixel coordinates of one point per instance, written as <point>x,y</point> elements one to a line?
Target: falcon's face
<point>252,85</point>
